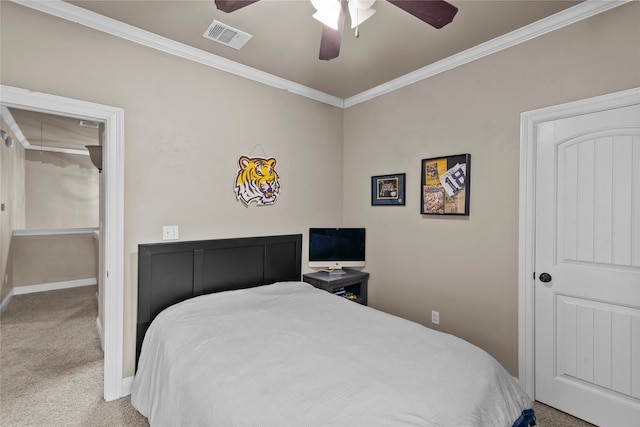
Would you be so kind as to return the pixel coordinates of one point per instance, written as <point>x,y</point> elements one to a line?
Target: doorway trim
<point>526,259</point>
<point>113,239</point>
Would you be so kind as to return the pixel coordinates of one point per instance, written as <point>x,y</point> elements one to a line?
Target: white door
<point>587,266</point>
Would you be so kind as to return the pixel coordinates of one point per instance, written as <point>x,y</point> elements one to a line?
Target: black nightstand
<point>352,284</point>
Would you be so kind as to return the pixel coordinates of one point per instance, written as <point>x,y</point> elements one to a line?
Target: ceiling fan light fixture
<point>331,13</point>
<point>360,11</point>
<point>328,12</point>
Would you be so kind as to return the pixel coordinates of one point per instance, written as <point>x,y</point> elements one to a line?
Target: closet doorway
<point>112,243</point>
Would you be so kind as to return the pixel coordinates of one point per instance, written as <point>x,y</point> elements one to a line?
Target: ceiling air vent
<point>226,35</point>
<point>88,124</point>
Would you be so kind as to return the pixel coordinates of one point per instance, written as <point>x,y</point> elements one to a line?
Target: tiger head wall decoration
<point>257,181</point>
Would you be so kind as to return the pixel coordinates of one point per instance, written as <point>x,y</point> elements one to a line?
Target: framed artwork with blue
<point>388,190</point>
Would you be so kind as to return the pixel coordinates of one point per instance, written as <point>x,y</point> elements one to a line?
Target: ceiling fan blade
<point>436,13</point>
<point>331,39</point>
<point>330,43</point>
<point>232,5</point>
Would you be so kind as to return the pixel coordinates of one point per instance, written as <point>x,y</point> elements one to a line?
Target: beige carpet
<point>550,417</point>
<point>51,366</point>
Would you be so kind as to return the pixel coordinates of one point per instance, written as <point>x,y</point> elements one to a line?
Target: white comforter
<point>288,354</point>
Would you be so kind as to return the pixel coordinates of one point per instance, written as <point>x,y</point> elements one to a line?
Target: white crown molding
<point>116,28</point>
<point>111,26</point>
<point>561,19</point>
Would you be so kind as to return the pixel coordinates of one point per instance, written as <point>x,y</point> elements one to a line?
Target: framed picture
<point>445,185</point>
<point>388,190</point>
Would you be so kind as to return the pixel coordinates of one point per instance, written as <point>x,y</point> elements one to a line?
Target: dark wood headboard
<point>172,272</point>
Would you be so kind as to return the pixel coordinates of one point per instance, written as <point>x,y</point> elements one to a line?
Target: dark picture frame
<point>388,190</point>
<point>445,185</point>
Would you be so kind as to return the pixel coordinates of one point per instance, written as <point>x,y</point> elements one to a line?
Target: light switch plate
<point>169,232</point>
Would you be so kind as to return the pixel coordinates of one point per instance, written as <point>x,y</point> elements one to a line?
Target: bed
<point>229,335</point>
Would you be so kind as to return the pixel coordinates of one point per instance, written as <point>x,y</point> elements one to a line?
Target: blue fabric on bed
<point>526,419</point>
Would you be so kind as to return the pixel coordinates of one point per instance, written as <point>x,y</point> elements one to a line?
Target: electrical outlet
<point>170,232</point>
<point>435,317</point>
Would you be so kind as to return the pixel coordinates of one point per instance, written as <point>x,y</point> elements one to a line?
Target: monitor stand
<point>333,271</point>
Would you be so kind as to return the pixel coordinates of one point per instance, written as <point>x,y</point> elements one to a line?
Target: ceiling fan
<point>331,13</point>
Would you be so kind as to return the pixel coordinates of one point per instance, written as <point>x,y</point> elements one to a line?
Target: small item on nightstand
<point>339,291</point>
<point>350,296</point>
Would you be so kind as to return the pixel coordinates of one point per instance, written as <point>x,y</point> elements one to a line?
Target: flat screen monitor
<point>331,249</point>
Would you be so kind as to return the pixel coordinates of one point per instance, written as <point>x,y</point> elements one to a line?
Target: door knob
<point>545,277</point>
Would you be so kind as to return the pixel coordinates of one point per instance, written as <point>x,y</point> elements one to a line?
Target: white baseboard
<point>99,327</point>
<point>6,300</point>
<point>127,384</point>
<point>29,289</point>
